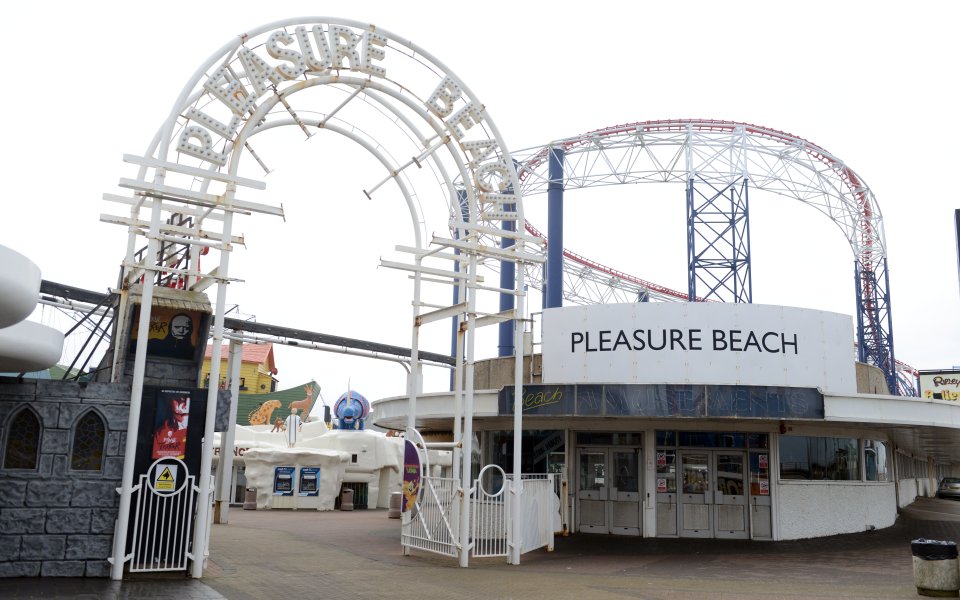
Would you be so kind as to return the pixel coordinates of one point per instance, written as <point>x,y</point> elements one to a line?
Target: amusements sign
<point>699,342</point>
<point>411,478</point>
<point>940,385</point>
<point>696,401</point>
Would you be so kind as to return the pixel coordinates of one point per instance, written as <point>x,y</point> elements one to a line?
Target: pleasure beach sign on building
<point>708,343</point>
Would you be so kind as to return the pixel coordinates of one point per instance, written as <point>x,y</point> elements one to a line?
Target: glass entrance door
<point>608,492</point>
<point>592,491</point>
<point>730,497</point>
<point>713,494</point>
<point>696,495</point>
<point>625,492</point>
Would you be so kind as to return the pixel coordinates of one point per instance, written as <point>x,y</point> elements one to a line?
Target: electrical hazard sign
<point>165,478</point>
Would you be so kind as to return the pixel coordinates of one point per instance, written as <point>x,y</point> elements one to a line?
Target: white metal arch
<point>347,73</point>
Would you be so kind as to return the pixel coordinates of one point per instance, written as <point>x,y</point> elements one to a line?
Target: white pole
<point>224,489</point>
<point>136,398</point>
<point>203,509</point>
<point>413,384</point>
<point>517,487</point>
<point>458,401</point>
<point>467,456</point>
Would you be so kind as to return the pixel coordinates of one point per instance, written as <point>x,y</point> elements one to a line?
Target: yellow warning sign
<point>166,479</point>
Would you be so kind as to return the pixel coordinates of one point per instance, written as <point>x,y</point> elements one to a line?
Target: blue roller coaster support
<point>718,241</point>
<point>553,286</point>
<point>875,321</point>
<point>507,282</point>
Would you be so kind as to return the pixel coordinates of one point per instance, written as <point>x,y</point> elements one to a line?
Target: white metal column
<point>224,488</point>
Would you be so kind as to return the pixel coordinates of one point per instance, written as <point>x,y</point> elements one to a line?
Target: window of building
<point>601,438</point>
<point>22,447</point>
<point>819,458</point>
<point>89,441</point>
<point>544,451</point>
<point>876,461</point>
<point>711,439</point>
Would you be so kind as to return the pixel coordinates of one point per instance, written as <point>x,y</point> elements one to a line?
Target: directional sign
<point>165,478</point>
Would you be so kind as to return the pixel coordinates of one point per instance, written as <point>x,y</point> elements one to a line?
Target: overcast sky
<point>872,83</point>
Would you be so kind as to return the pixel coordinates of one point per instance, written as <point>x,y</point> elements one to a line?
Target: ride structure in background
<point>718,163</point>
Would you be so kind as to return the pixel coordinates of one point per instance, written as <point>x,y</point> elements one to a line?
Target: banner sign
<point>696,401</point>
<point>411,477</point>
<point>699,343</point>
<point>940,385</point>
<point>170,424</point>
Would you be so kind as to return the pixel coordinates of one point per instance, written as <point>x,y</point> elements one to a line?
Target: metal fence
<point>163,521</point>
<point>361,499</point>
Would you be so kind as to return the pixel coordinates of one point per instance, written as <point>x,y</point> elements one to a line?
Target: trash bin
<point>394,511</point>
<point>935,569</point>
<point>346,499</point>
<point>250,499</point>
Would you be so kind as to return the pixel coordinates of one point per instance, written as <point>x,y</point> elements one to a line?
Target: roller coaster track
<point>720,152</point>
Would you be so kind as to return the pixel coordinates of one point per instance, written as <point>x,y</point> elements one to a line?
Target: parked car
<point>949,488</point>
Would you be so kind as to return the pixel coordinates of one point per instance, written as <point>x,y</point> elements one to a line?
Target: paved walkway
<point>356,555</point>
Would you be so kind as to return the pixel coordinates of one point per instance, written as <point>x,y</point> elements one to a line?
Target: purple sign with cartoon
<point>411,477</point>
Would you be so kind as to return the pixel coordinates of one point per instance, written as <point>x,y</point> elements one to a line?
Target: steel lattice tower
<point>718,241</point>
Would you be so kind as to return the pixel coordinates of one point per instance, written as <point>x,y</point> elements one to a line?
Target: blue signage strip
<point>679,401</point>
<point>655,400</point>
<point>764,402</point>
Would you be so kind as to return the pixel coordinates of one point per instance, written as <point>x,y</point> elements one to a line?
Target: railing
<point>361,492</point>
<point>163,522</point>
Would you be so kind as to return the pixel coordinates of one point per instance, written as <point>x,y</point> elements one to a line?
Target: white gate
<point>163,521</point>
<point>489,516</point>
<point>539,514</point>
<point>560,514</point>
<point>432,524</point>
<point>493,533</point>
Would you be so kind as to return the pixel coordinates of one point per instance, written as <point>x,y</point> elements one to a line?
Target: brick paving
<point>357,555</point>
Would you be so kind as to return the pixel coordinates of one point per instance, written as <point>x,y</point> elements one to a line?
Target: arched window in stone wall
<point>21,449</point>
<point>89,442</point>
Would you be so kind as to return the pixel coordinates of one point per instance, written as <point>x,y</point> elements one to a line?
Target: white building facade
<point>707,420</point>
